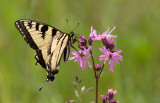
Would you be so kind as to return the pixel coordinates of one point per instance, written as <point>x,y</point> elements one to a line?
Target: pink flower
<point>110,91</point>
<point>113,101</point>
<point>108,44</point>
<point>111,94</point>
<point>82,40</point>
<point>107,35</point>
<point>109,97</point>
<point>80,56</point>
<point>97,67</point>
<point>93,34</point>
<point>112,56</point>
<point>104,98</point>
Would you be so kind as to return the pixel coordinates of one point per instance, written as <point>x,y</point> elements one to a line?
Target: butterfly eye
<point>52,77</point>
<point>72,34</point>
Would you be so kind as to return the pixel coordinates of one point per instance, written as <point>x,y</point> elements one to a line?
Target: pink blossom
<point>107,34</point>
<point>109,97</point>
<point>82,40</point>
<point>111,94</point>
<point>104,98</point>
<point>97,67</point>
<point>110,91</point>
<point>93,34</point>
<point>80,56</point>
<point>112,56</point>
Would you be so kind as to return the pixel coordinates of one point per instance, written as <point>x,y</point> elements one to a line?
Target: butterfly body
<point>49,43</point>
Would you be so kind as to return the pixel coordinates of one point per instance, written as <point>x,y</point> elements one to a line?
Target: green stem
<point>97,78</point>
<point>93,63</point>
<point>101,70</point>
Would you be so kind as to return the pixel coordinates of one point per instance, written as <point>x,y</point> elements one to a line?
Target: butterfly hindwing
<point>67,49</point>
<point>57,47</point>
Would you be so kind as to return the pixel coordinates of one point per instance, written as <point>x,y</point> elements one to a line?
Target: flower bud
<point>81,47</point>
<point>82,40</point>
<point>113,101</point>
<point>90,41</point>
<point>104,99</point>
<point>111,94</point>
<point>109,44</point>
<point>98,67</point>
<point>104,41</point>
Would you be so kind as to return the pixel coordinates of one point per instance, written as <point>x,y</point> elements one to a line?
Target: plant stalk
<point>97,78</point>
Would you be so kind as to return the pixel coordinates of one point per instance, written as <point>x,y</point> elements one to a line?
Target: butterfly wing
<point>67,49</point>
<point>48,42</point>
<point>39,36</point>
<point>58,45</point>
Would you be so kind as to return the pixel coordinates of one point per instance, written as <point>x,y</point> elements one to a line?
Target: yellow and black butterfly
<point>49,43</point>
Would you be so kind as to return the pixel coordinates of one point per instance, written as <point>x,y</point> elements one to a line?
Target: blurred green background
<point>137,78</point>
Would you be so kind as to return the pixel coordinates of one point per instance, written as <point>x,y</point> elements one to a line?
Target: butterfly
<point>48,42</point>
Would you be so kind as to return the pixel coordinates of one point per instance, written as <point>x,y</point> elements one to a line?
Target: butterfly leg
<point>74,48</point>
<point>75,39</point>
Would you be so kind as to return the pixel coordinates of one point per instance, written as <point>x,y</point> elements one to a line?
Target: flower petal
<point>71,58</point>
<point>111,64</point>
<point>84,62</point>
<point>112,30</point>
<point>88,50</point>
<point>104,57</point>
<point>89,64</point>
<point>81,62</point>
<point>75,52</point>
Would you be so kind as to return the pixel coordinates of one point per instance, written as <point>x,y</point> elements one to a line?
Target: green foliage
<point>136,79</point>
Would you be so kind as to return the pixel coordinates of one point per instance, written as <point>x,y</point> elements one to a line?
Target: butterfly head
<point>72,34</point>
<point>51,75</point>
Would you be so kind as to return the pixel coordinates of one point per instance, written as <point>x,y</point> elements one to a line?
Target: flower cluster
<point>108,52</point>
<point>109,96</point>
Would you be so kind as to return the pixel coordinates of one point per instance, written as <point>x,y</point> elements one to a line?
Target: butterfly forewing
<point>38,36</point>
<point>48,42</point>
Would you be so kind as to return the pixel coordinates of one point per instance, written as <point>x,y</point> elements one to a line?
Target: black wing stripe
<point>39,58</point>
<point>30,24</point>
<point>27,37</point>
<point>54,31</point>
<point>65,53</point>
<point>44,29</point>
<point>37,26</point>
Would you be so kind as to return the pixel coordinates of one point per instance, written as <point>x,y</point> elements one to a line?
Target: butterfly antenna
<point>75,27</point>
<point>43,85</point>
<point>68,25</point>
